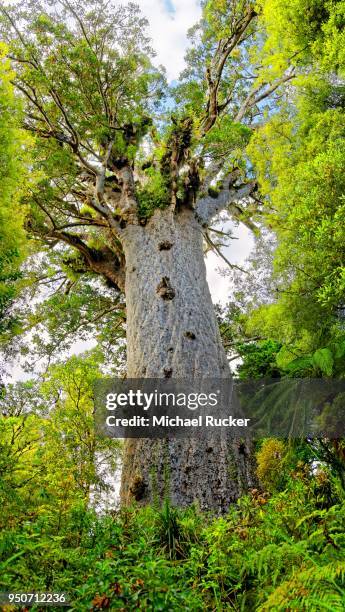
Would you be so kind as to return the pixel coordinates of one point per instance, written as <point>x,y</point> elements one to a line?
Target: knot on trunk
<point>165,245</point>
<point>190,335</point>
<point>165,290</point>
<point>242,448</point>
<point>138,488</point>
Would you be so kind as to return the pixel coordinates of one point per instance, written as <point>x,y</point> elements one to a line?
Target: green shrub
<point>267,553</point>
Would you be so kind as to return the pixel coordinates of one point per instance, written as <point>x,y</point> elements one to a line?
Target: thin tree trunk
<point>172,332</point>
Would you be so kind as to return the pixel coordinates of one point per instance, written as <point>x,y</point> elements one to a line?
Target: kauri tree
<point>130,187</point>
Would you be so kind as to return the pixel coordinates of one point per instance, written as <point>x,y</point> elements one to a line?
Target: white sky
<point>169,21</point>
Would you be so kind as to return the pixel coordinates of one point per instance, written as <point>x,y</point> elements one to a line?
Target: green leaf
<point>339,350</point>
<point>301,363</point>
<point>323,359</point>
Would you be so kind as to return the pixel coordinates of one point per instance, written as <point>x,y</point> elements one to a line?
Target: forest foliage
<point>291,302</point>
<point>282,545</point>
<point>15,178</point>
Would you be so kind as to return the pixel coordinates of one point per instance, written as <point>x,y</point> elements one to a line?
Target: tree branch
<point>100,181</point>
<point>68,5</point>
<point>255,96</point>
<point>215,71</point>
<point>103,262</point>
<point>208,206</point>
<point>215,248</point>
<point>128,201</point>
<point>53,131</point>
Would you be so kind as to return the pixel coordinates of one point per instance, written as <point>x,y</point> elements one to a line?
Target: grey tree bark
<point>172,332</point>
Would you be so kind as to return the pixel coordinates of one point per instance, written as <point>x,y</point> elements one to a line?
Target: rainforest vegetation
<point>115,185</point>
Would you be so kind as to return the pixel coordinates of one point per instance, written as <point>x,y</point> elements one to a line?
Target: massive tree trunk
<point>172,332</point>
<point>103,151</point>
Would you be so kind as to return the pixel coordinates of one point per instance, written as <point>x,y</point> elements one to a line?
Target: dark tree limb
<point>103,262</point>
<point>216,248</point>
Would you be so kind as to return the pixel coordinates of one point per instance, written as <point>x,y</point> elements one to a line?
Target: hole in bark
<point>138,488</point>
<point>170,350</point>
<point>242,448</point>
<point>165,290</point>
<point>133,269</point>
<point>190,335</point>
<point>209,449</point>
<point>168,372</point>
<point>165,245</point>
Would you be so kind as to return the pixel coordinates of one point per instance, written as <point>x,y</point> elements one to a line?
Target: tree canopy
<point>112,141</point>
<point>15,177</point>
<point>293,296</point>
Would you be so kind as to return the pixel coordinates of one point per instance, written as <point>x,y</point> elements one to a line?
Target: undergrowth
<point>278,551</point>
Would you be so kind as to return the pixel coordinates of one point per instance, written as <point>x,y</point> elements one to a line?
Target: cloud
<point>237,253</point>
<point>169,21</point>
